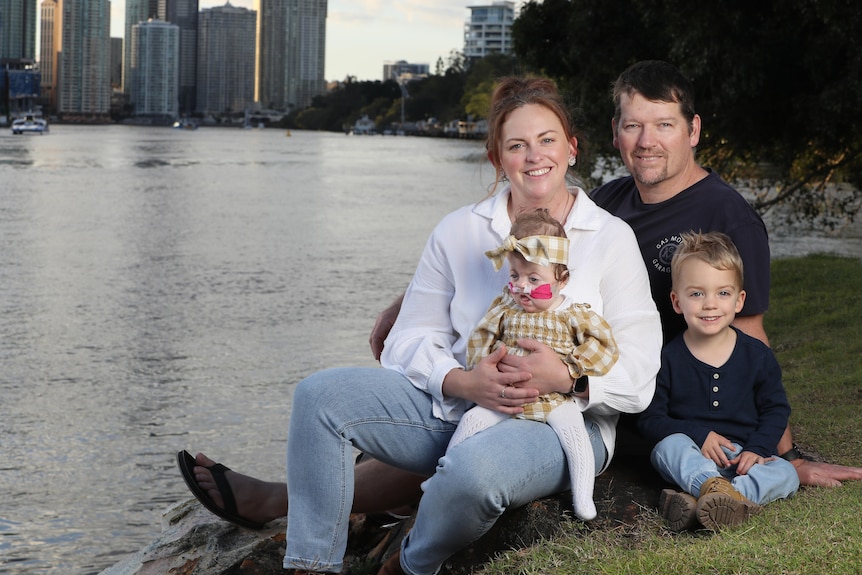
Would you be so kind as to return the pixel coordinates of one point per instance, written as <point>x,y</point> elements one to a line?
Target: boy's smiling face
<point>708,298</point>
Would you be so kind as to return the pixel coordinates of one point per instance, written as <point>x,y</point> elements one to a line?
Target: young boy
<point>532,307</point>
<point>719,407</point>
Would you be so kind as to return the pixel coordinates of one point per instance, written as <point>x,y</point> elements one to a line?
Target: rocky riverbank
<point>195,542</point>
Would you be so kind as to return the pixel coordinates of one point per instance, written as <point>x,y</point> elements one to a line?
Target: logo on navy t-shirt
<point>664,253</point>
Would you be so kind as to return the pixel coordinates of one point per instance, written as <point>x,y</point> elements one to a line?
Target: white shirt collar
<point>584,215</point>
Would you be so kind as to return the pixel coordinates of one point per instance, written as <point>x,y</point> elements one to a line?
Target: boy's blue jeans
<point>678,459</point>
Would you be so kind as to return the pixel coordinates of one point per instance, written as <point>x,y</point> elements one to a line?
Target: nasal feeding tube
<point>539,292</point>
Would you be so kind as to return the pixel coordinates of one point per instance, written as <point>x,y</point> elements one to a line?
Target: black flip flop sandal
<point>187,464</point>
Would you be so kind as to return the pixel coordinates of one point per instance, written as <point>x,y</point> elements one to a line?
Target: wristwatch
<point>792,453</point>
<point>581,384</point>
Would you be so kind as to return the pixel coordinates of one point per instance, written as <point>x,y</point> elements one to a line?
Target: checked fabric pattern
<point>540,250</point>
<point>581,337</point>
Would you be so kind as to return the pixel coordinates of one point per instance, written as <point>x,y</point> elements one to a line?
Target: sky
<point>363,34</point>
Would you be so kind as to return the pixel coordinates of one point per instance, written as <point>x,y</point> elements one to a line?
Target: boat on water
<point>364,126</point>
<point>186,124</point>
<point>29,124</point>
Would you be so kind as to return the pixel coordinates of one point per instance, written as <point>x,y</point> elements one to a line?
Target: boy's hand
<point>746,460</point>
<point>712,448</point>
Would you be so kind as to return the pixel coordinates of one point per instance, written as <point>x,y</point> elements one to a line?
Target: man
<point>656,130</point>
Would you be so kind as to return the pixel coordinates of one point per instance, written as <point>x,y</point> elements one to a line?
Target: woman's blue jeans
<point>381,413</point>
<point>678,459</point>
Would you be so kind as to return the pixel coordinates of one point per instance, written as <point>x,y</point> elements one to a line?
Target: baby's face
<point>533,286</point>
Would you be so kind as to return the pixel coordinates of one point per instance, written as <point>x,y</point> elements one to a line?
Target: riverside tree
<point>777,81</point>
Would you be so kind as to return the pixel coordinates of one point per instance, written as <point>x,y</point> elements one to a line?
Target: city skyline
<point>363,34</point>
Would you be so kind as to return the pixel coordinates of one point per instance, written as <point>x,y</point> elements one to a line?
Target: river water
<point>164,290</point>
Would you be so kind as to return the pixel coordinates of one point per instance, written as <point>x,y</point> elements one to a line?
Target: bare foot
<point>820,474</point>
<point>256,500</point>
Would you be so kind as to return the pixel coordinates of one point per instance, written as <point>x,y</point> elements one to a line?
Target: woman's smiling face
<point>534,154</point>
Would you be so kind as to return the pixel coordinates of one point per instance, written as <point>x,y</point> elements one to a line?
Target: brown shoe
<point>678,509</point>
<point>721,505</point>
<point>392,566</point>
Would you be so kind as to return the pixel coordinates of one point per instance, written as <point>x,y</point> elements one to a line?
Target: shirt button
<point>715,376</point>
<point>715,404</point>
<point>715,389</point>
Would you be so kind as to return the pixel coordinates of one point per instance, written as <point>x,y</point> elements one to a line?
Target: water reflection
<point>166,290</point>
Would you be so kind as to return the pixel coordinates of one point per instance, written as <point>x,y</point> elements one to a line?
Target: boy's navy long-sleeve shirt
<point>743,400</point>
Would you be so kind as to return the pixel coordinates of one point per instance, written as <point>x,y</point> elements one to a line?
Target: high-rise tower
<point>489,30</point>
<point>226,47</point>
<point>184,13</point>
<point>306,51</point>
<point>155,62</point>
<point>85,59</point>
<point>49,45</point>
<point>17,31</point>
<point>271,54</point>
<point>19,78</point>
<point>136,11</point>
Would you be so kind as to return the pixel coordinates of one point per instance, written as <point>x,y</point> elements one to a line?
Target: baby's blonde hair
<point>714,248</point>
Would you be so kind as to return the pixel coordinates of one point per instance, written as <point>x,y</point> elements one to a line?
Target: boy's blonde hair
<point>714,248</point>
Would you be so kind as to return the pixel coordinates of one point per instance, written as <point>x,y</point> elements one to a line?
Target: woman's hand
<point>491,388</point>
<point>549,373</point>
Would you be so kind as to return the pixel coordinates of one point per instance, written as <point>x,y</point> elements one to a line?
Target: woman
<point>404,415</point>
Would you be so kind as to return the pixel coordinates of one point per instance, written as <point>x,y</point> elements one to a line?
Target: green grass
<point>815,327</point>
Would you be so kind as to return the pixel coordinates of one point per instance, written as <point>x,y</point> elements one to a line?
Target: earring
<point>504,177</point>
<point>573,160</point>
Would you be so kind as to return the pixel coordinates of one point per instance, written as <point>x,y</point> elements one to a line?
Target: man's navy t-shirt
<point>710,205</point>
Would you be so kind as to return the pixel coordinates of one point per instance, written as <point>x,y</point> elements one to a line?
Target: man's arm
<point>752,325</point>
<point>383,325</point>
